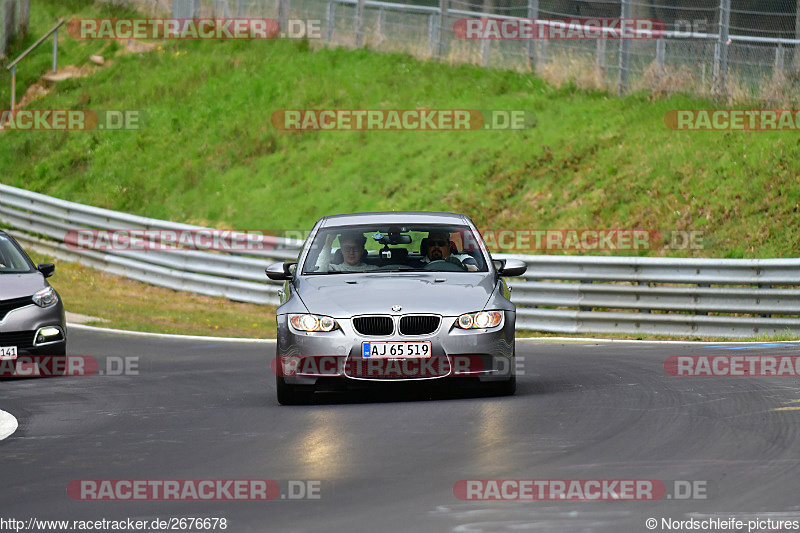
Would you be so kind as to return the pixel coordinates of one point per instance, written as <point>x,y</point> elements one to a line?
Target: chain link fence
<point>743,51</point>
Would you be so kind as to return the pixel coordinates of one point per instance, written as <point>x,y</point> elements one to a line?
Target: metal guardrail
<point>567,294</point>
<point>43,223</point>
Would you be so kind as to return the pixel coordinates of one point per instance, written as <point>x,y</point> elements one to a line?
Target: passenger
<point>438,249</point>
<point>353,251</point>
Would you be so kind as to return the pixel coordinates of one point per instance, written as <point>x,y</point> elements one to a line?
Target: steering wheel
<point>442,265</point>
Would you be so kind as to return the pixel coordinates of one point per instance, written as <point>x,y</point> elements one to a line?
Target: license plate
<point>396,350</point>
<point>8,352</point>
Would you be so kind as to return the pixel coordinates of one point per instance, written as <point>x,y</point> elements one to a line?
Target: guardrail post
<point>723,41</point>
<point>533,14</point>
<point>624,51</point>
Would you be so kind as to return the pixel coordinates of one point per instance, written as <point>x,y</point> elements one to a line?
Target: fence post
<point>433,33</point>
<point>442,44</point>
<point>381,25</point>
<point>779,60</point>
<point>624,51</point>
<point>722,43</point>
<point>24,16</point>
<point>796,58</point>
<point>600,54</point>
<point>8,24</point>
<point>283,15</point>
<point>329,21</point>
<point>533,14</point>
<point>485,49</point>
<point>360,24</point>
<point>661,52</point>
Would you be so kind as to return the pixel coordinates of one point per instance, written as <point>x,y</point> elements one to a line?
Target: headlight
<point>45,297</point>
<point>482,320</point>
<point>313,323</point>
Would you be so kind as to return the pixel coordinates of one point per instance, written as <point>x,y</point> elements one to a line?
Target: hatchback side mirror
<point>46,269</point>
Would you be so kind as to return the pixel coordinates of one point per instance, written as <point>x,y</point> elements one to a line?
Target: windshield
<point>12,259</point>
<point>356,249</point>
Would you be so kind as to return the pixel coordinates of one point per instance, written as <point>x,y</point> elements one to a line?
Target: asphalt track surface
<point>200,409</point>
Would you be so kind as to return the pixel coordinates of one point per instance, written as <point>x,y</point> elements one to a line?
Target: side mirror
<point>510,267</point>
<point>281,271</point>
<point>46,269</point>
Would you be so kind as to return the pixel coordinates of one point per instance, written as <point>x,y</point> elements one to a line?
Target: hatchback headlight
<point>312,322</point>
<point>482,320</point>
<point>45,297</point>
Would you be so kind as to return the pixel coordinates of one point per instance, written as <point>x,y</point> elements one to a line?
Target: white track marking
<point>8,424</point>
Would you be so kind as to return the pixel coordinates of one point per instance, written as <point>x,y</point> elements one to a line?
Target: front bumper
<point>21,327</point>
<point>304,358</point>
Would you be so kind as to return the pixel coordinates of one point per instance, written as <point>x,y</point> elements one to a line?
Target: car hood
<point>19,285</point>
<point>344,295</point>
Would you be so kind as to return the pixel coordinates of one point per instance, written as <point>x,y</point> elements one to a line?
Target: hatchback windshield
<point>354,249</point>
<point>12,260</point>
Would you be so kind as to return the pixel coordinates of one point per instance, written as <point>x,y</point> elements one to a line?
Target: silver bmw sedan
<point>393,297</point>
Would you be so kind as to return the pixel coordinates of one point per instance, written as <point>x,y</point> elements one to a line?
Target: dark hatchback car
<point>394,297</point>
<point>31,313</point>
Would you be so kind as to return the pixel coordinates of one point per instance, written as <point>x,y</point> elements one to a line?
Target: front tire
<point>505,388</point>
<point>291,394</point>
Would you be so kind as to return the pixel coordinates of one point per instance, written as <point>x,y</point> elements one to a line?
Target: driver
<point>438,244</point>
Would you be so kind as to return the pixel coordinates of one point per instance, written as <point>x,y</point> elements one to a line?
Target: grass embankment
<point>208,153</point>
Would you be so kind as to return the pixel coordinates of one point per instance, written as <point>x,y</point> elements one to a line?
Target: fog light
<point>48,335</point>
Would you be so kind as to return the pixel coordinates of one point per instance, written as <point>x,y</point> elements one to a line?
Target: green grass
<point>208,153</point>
